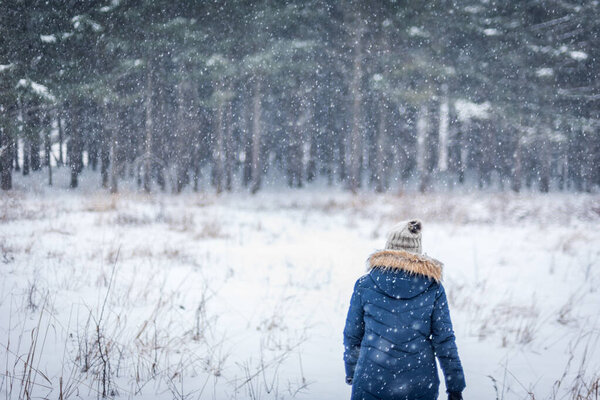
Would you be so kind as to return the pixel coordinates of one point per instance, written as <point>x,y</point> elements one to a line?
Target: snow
<point>467,110</point>
<point>209,289</point>
<point>543,72</point>
<point>5,67</point>
<point>37,88</point>
<point>216,60</point>
<point>474,9</point>
<point>443,135</point>
<point>578,55</point>
<point>491,32</point>
<point>78,20</point>
<point>302,44</point>
<point>48,38</point>
<point>113,4</point>
<point>417,32</point>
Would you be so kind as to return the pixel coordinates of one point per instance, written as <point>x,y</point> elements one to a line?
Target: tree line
<point>379,94</point>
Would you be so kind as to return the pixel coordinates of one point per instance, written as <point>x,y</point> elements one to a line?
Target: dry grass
<point>13,208</point>
<point>149,339</point>
<point>577,382</point>
<point>7,251</point>
<point>101,346</point>
<point>178,221</point>
<point>504,207</point>
<point>102,204</point>
<point>132,219</point>
<point>568,241</point>
<point>211,229</point>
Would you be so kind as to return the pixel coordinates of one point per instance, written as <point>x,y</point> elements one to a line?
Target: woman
<point>398,323</point>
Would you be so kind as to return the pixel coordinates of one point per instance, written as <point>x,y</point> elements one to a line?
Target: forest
<point>191,193</point>
<point>367,95</point>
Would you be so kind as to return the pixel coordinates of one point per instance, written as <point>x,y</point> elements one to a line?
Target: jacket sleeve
<point>444,344</point>
<point>354,331</point>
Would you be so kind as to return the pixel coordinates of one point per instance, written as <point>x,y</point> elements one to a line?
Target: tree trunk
<point>545,161</point>
<point>218,155</point>
<point>422,153</point>
<point>15,152</point>
<point>464,151</point>
<point>517,175</point>
<point>160,125</point>
<point>256,136</point>
<point>75,156</point>
<point>563,167</point>
<point>35,160</point>
<point>587,164</point>
<point>183,136</point>
<point>105,161</point>
<point>306,142</point>
<point>26,145</point>
<point>380,146</point>
<point>295,143</point>
<point>50,174</point>
<point>26,150</point>
<point>196,176</point>
<point>48,148</point>
<point>197,136</point>
<point>105,146</point>
<point>593,158</point>
<point>311,164</point>
<point>47,144</point>
<point>443,131</point>
<point>575,149</point>
<point>485,161</point>
<point>246,142</point>
<point>343,164</point>
<point>290,141</point>
<point>61,160</point>
<point>229,147</point>
<point>93,154</point>
<point>148,127</point>
<point>355,91</point>
<point>6,157</point>
<point>114,161</point>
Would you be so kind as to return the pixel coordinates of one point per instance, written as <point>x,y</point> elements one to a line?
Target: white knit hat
<point>405,236</point>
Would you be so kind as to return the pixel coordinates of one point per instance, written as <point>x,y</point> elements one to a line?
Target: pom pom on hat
<point>405,236</point>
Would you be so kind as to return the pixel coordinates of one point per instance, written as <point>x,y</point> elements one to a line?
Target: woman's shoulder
<point>363,282</point>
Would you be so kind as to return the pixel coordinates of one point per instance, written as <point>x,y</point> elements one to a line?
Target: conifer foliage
<point>369,95</point>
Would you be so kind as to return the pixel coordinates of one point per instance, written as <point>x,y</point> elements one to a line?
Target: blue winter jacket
<point>397,324</point>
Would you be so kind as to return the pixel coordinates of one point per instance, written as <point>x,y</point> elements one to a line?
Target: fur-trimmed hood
<point>412,263</point>
<point>403,275</point>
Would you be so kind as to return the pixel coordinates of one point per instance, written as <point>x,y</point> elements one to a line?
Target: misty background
<point>377,95</point>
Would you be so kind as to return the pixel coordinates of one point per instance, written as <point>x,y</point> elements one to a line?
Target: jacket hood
<point>403,275</point>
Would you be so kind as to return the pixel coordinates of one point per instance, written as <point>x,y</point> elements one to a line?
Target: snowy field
<point>244,297</point>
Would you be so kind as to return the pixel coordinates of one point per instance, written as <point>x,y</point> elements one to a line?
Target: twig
<point>112,275</point>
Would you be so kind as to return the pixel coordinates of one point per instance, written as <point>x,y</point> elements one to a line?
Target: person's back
<point>398,323</point>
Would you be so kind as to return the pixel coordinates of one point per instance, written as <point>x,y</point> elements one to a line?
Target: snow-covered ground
<point>245,297</point>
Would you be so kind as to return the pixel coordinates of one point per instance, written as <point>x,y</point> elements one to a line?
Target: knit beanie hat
<point>405,236</point>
